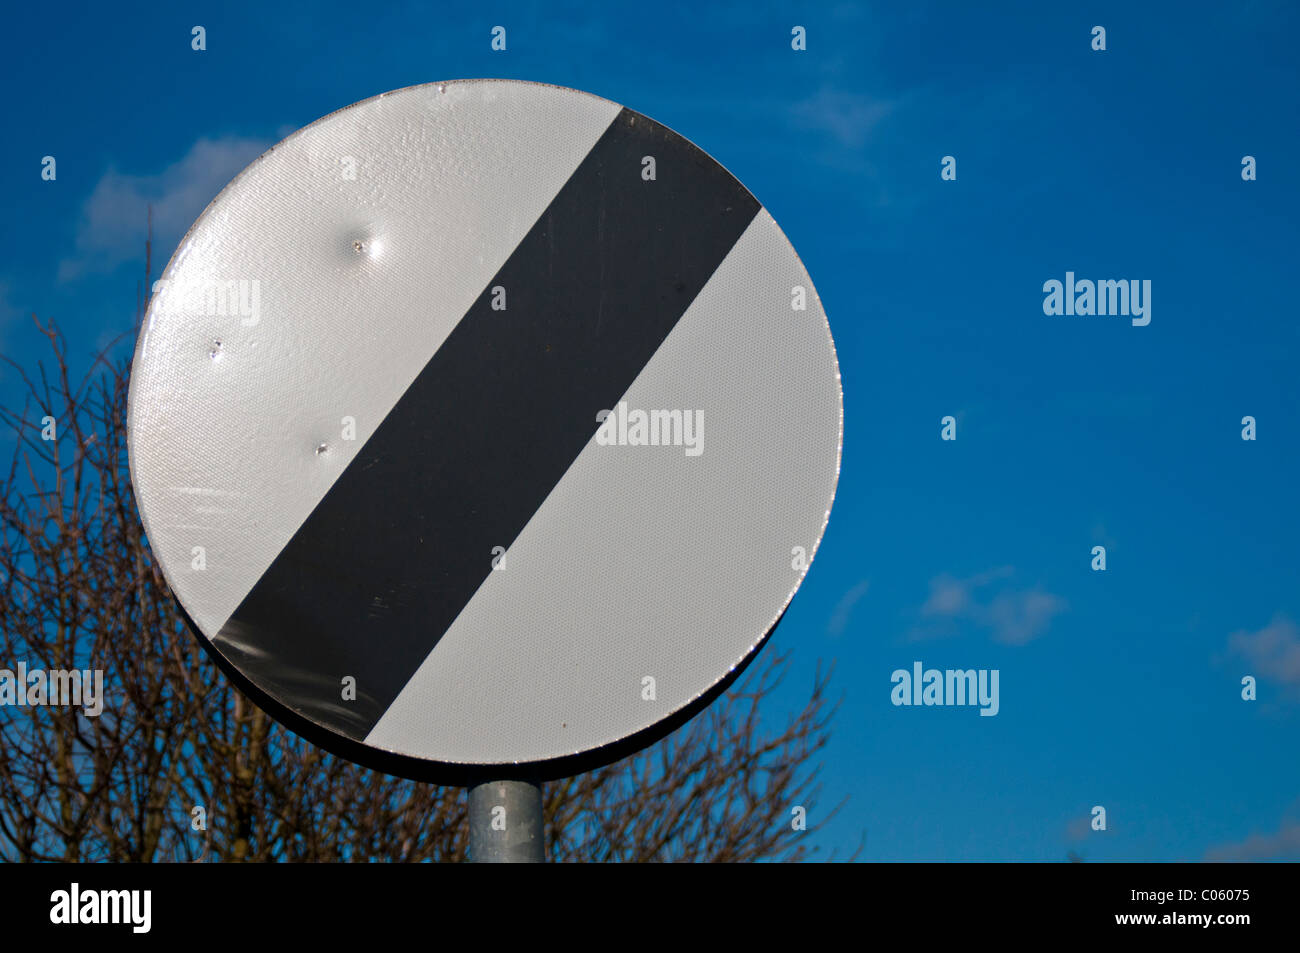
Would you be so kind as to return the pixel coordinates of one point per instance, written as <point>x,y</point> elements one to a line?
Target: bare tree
<point>181,766</point>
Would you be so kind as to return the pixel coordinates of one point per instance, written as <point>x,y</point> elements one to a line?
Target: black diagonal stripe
<point>403,539</point>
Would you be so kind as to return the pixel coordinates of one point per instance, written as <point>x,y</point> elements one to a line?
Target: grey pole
<point>505,823</point>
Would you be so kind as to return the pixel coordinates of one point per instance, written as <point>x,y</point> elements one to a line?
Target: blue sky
<point>1118,688</point>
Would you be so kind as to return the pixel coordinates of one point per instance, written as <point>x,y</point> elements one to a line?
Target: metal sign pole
<point>505,823</point>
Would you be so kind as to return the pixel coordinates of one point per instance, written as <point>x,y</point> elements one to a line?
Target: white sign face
<point>484,425</point>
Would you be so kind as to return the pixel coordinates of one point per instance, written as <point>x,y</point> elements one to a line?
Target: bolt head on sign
<point>484,428</point>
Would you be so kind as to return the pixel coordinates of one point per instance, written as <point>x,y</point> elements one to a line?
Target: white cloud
<point>1273,651</point>
<point>840,617</point>
<point>948,597</point>
<point>1282,844</point>
<point>1011,615</point>
<point>847,116</point>
<point>1079,828</point>
<point>112,223</point>
<point>1020,617</point>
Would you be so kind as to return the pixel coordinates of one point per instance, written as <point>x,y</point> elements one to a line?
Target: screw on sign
<point>484,431</point>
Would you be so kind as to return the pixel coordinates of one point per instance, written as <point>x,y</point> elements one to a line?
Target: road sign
<point>484,425</point>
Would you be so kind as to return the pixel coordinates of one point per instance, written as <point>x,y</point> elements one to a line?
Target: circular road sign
<point>484,428</point>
